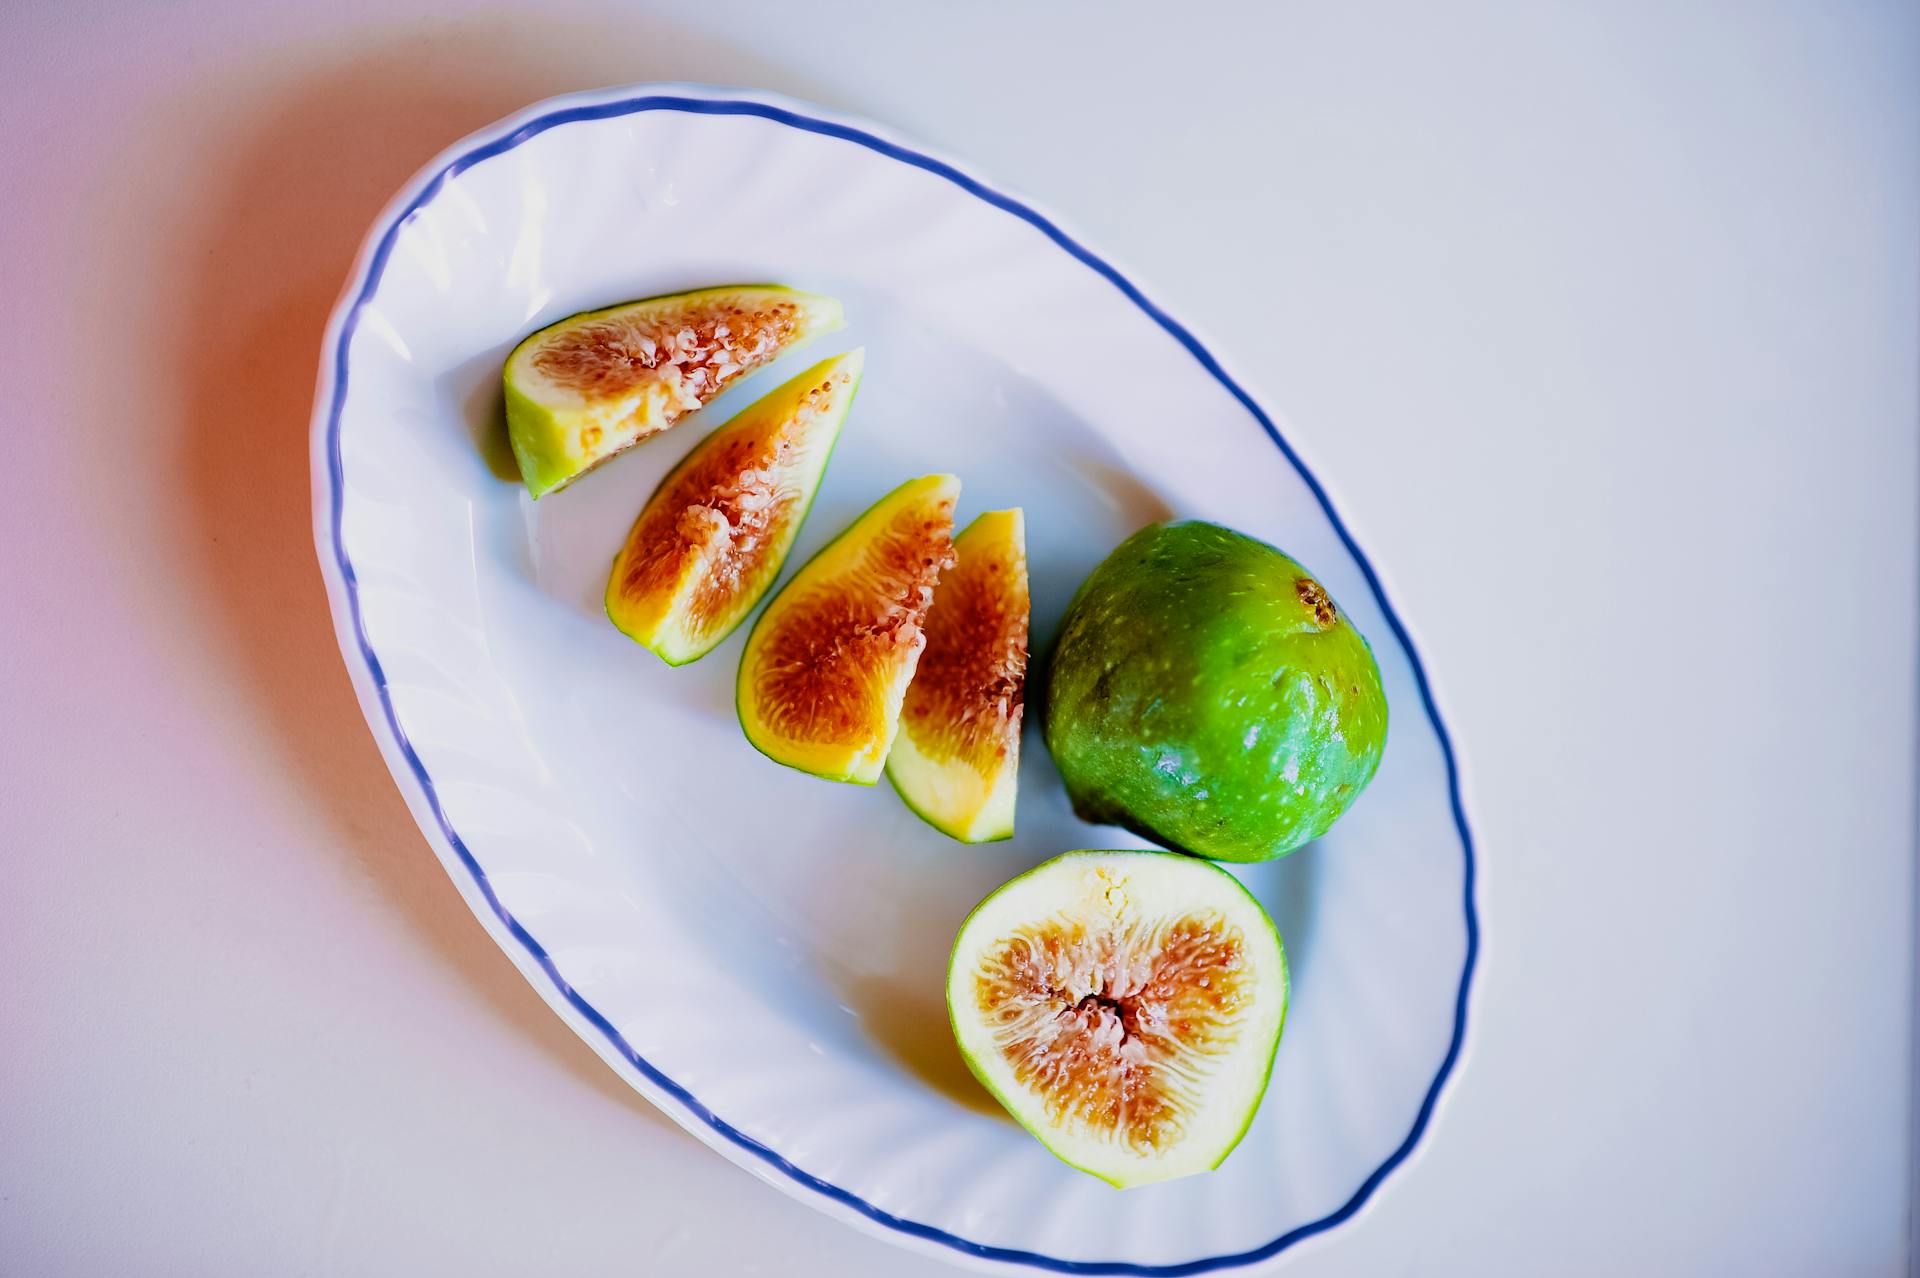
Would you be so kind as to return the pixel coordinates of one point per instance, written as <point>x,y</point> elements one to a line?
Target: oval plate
<point>759,953</point>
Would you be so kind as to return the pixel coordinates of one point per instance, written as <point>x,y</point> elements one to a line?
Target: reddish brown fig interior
<point>966,699</point>
<point>824,670</point>
<point>1115,1028</point>
<point>695,348</point>
<point>724,506</point>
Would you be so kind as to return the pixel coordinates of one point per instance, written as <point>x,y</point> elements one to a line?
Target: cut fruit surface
<point>597,383</point>
<point>716,531</point>
<point>1125,1008</point>
<point>956,761</point>
<point>829,661</point>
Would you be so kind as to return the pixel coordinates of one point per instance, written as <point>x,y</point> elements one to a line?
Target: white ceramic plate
<point>758,952</point>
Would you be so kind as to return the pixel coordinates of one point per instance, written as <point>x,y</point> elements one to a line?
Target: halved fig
<point>718,528</point>
<point>599,382</point>
<point>829,661</point>
<point>956,761</point>
<point>1124,1007</point>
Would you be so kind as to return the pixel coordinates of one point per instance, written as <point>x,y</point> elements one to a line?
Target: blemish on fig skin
<point>1318,602</point>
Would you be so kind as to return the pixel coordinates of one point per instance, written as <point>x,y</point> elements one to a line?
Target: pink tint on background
<point>1610,314</point>
<point>248,1025</point>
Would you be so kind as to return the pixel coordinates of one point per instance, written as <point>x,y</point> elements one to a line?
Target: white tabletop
<point>1601,323</point>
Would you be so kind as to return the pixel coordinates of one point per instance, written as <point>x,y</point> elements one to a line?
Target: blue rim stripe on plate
<point>706,106</point>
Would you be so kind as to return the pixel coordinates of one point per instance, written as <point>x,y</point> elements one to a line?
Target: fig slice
<point>599,382</point>
<point>1125,1008</point>
<point>829,661</point>
<point>956,761</point>
<point>716,531</point>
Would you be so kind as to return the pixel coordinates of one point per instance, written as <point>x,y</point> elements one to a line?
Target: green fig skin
<point>1207,693</point>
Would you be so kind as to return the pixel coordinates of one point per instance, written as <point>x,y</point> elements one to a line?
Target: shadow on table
<point>311,164</point>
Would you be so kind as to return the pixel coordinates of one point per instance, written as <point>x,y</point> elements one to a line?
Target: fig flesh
<point>828,663</point>
<point>956,761</point>
<point>597,383</point>
<point>715,533</point>
<point>1125,1008</point>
